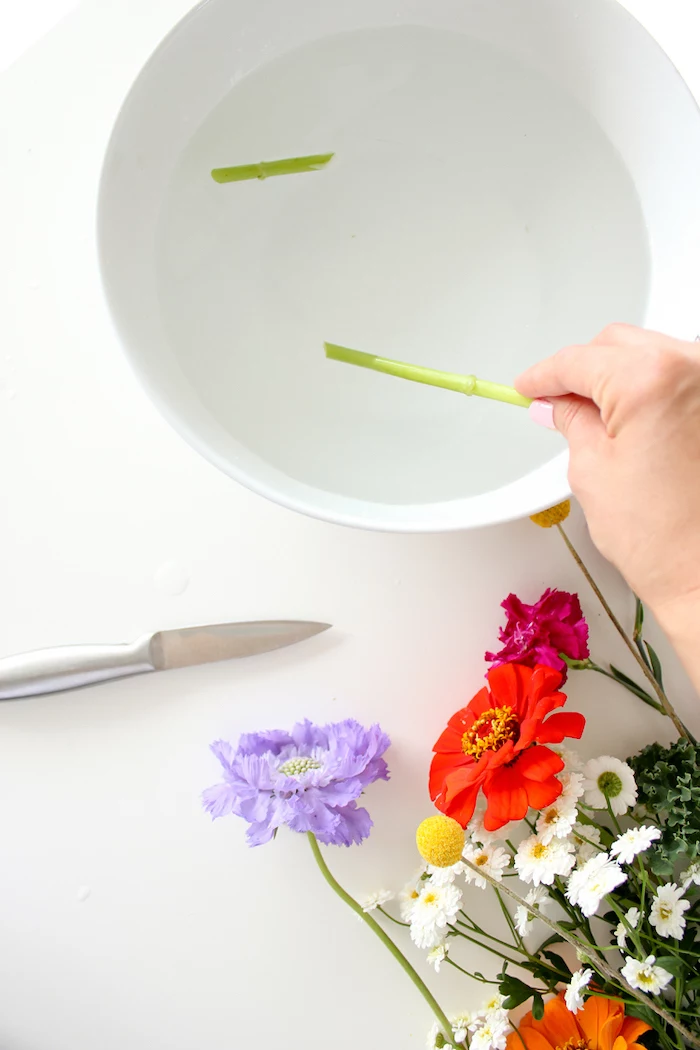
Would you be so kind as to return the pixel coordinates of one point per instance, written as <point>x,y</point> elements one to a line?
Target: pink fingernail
<point>542,413</point>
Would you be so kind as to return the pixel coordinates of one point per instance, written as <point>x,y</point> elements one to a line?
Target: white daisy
<point>443,876</point>
<point>621,930</point>
<point>408,897</point>
<point>460,1026</point>
<point>634,841</point>
<point>572,996</point>
<point>557,820</point>
<point>586,839</point>
<point>494,1005</point>
<point>490,859</point>
<point>437,956</point>
<point>691,874</point>
<point>376,900</point>
<point>434,908</point>
<point>590,883</point>
<point>646,976</point>
<point>667,910</point>
<point>491,1033</point>
<point>609,779</point>
<point>436,1038</point>
<point>540,862</point>
<point>477,832</point>
<point>524,919</point>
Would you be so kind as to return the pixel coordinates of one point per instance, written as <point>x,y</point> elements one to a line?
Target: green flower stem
<point>462,384</point>
<point>265,169</point>
<point>663,699</point>
<point>481,944</point>
<point>599,964</point>
<point>468,973</point>
<point>616,822</point>
<point>383,937</point>
<point>590,665</point>
<point>514,933</point>
<point>398,922</point>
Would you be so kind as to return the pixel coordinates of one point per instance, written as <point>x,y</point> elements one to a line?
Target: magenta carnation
<point>539,633</point>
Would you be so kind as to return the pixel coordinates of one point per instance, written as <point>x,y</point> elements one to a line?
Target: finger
<point>581,370</point>
<point>579,421</point>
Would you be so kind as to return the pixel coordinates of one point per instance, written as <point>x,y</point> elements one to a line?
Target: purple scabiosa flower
<point>308,779</point>
<point>537,634</point>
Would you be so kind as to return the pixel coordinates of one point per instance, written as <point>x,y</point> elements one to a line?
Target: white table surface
<point>128,919</point>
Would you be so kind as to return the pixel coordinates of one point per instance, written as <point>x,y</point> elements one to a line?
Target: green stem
<point>398,922</point>
<point>590,665</point>
<point>265,169</point>
<point>468,973</point>
<point>383,937</point>
<point>663,699</point>
<point>462,384</point>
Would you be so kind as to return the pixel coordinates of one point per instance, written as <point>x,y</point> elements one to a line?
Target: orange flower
<point>496,744</point>
<point>600,1025</point>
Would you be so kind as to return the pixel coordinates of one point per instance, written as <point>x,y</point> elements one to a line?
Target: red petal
<point>509,685</point>
<point>506,797</point>
<point>545,680</point>
<point>561,725</point>
<point>462,806</point>
<point>543,793</point>
<point>449,742</point>
<point>439,769</point>
<point>539,763</point>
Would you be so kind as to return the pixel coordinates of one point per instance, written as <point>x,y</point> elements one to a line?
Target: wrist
<point>679,619</point>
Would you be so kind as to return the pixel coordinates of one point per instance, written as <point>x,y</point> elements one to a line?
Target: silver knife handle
<point>69,666</point>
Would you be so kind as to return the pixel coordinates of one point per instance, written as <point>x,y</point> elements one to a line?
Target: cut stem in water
<point>462,384</point>
<point>266,169</point>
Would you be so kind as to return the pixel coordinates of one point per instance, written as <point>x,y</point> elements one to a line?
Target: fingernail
<point>542,413</point>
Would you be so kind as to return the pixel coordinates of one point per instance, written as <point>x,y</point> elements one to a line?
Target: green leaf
<point>537,1006</point>
<point>673,963</point>
<point>630,684</point>
<point>642,1012</point>
<point>556,960</point>
<point>655,664</point>
<point>516,992</point>
<point>552,939</point>
<point>638,619</point>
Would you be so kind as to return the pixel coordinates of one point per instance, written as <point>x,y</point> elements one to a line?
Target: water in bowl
<point>475,218</point>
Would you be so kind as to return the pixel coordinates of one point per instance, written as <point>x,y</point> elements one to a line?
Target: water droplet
<point>171,578</point>
<point>83,894</point>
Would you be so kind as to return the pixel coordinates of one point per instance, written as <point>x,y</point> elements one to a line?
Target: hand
<point>629,406</point>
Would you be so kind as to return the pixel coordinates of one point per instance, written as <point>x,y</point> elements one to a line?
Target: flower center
<point>295,767</point>
<point>610,784</point>
<point>574,1044</point>
<point>645,977</point>
<point>493,728</point>
<point>665,912</point>
<point>429,898</point>
<point>481,860</point>
<point>539,850</point>
<point>551,816</point>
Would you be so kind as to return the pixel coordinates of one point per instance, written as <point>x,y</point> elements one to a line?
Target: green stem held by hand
<point>266,169</point>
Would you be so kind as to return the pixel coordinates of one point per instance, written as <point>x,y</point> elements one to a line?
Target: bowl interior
<point>495,189</point>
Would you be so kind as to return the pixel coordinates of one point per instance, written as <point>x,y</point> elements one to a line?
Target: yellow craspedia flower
<point>554,516</point>
<point>440,840</point>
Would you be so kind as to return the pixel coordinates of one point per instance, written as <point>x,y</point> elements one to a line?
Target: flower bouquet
<point>594,865</point>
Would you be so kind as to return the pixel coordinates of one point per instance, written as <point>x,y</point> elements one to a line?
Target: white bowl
<point>510,176</point>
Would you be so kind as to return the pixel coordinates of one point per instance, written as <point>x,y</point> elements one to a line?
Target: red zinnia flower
<point>497,744</point>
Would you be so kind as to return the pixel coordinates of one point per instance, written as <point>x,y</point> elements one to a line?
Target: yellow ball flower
<point>554,516</point>
<point>440,840</point>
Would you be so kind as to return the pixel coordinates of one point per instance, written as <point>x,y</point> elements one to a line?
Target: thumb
<point>577,419</point>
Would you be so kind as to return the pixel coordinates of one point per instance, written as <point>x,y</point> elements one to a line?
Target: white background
<point>127,918</point>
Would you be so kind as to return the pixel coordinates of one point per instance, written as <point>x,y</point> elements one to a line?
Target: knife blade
<point>70,666</point>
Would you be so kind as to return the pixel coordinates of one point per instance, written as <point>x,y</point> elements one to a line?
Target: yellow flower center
<point>429,898</point>
<point>481,860</point>
<point>440,840</point>
<point>493,728</point>
<point>665,912</point>
<point>574,1044</point>
<point>553,516</point>
<point>539,850</point>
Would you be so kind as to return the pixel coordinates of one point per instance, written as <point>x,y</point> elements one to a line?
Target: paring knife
<point>69,666</point>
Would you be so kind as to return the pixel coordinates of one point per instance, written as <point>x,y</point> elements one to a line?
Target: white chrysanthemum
<point>621,930</point>
<point>589,884</point>
<point>691,874</point>
<point>443,876</point>
<point>409,895</point>
<point>524,919</point>
<point>540,862</point>
<point>572,995</point>
<point>460,1026</point>
<point>557,820</point>
<point>586,841</point>
<point>494,1005</point>
<point>376,900</point>
<point>645,975</point>
<point>634,841</point>
<point>437,956</point>
<point>436,1038</point>
<point>490,859</point>
<point>667,909</point>
<point>573,763</point>
<point>491,1032</point>
<point>608,779</point>
<point>435,907</point>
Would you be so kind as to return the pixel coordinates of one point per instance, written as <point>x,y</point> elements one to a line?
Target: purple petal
<point>261,743</point>
<point>353,827</point>
<point>219,800</point>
